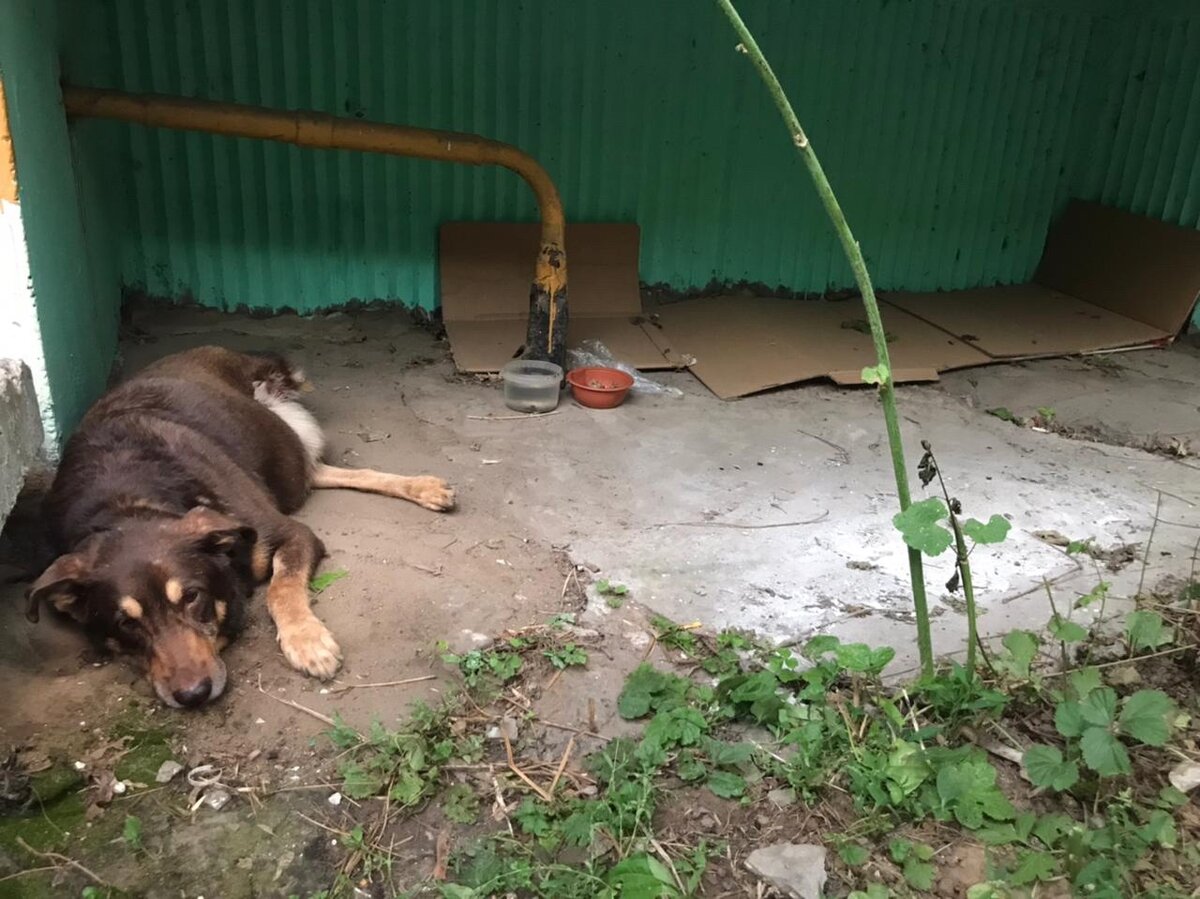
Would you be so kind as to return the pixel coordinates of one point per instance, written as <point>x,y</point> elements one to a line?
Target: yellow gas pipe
<point>548,294</point>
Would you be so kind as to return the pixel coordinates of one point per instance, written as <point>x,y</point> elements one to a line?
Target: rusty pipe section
<point>548,293</point>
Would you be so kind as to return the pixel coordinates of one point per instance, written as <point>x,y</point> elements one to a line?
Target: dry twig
<point>61,860</point>
<point>512,764</point>
<point>524,417</point>
<point>343,687</point>
<point>739,526</point>
<point>562,765</point>
<point>295,705</point>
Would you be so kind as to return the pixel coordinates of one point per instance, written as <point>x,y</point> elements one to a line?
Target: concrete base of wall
<point>20,432</point>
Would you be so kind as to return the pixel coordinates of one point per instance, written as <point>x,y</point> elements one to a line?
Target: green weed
<point>131,833</point>
<point>326,579</point>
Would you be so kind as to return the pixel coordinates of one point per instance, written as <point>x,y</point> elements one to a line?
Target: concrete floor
<point>773,513</point>
<point>770,513</point>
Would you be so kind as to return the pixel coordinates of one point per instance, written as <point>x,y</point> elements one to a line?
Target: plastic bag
<point>592,353</point>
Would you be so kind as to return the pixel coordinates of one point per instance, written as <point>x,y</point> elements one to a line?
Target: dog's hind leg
<point>430,492</point>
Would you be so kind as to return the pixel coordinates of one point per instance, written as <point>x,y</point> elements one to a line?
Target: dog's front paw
<point>309,647</point>
<point>433,493</point>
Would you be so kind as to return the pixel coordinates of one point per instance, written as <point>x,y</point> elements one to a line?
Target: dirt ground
<point>771,513</point>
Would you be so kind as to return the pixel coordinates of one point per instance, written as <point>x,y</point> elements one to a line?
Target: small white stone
<point>259,721</point>
<point>79,766</point>
<point>335,799</point>
<point>167,770</point>
<point>216,798</point>
<point>119,787</point>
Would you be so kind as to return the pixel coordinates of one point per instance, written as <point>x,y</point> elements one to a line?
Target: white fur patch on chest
<point>296,417</point>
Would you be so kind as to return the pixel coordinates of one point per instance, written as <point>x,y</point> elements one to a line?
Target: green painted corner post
<point>883,372</point>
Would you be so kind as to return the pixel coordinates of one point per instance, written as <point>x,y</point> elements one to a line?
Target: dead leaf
<point>1054,538</point>
<point>442,856</point>
<point>33,761</point>
<point>1185,776</point>
<point>1124,676</point>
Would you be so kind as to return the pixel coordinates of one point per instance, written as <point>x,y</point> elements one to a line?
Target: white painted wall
<point>20,335</point>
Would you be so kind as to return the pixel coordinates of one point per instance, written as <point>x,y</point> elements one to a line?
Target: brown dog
<point>171,504</point>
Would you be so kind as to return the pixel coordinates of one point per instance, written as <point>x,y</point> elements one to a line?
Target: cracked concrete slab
<point>773,513</point>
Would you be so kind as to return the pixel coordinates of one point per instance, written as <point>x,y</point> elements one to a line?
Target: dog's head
<point>168,591</point>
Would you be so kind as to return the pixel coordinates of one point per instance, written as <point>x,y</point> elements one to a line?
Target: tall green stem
<point>887,387</point>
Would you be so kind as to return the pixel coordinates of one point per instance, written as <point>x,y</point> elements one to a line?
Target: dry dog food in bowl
<point>599,388</point>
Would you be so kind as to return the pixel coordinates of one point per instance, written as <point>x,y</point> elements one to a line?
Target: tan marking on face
<point>130,606</point>
<point>174,590</point>
<point>222,609</point>
<point>182,657</point>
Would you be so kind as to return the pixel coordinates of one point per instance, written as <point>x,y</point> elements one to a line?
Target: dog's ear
<point>218,534</point>
<point>64,585</point>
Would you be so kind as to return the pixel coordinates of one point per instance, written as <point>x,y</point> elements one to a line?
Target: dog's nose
<point>195,694</point>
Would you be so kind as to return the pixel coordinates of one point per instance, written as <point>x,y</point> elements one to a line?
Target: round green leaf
<point>1103,753</point>
<point>1067,631</point>
<point>726,784</point>
<point>1144,717</point>
<point>854,854</point>
<point>1099,708</point>
<point>1047,768</point>
<point>994,531</point>
<point>1068,718</point>
<point>1146,631</point>
<point>918,525</point>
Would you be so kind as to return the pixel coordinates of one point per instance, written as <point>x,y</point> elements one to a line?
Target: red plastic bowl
<point>599,388</point>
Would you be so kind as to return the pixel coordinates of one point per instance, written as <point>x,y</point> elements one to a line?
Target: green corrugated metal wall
<point>952,130</point>
<point>1137,145</point>
<point>76,291</point>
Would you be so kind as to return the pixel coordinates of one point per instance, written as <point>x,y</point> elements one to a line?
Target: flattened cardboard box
<point>742,346</point>
<point>486,269</point>
<point>1107,280</point>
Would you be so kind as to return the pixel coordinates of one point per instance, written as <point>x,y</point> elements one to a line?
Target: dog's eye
<point>190,596</point>
<point>127,624</point>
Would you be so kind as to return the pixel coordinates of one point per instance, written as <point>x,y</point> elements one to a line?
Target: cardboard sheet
<point>486,269</point>
<point>1025,320</point>
<point>1107,280</point>
<point>742,346</point>
<point>1138,267</point>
